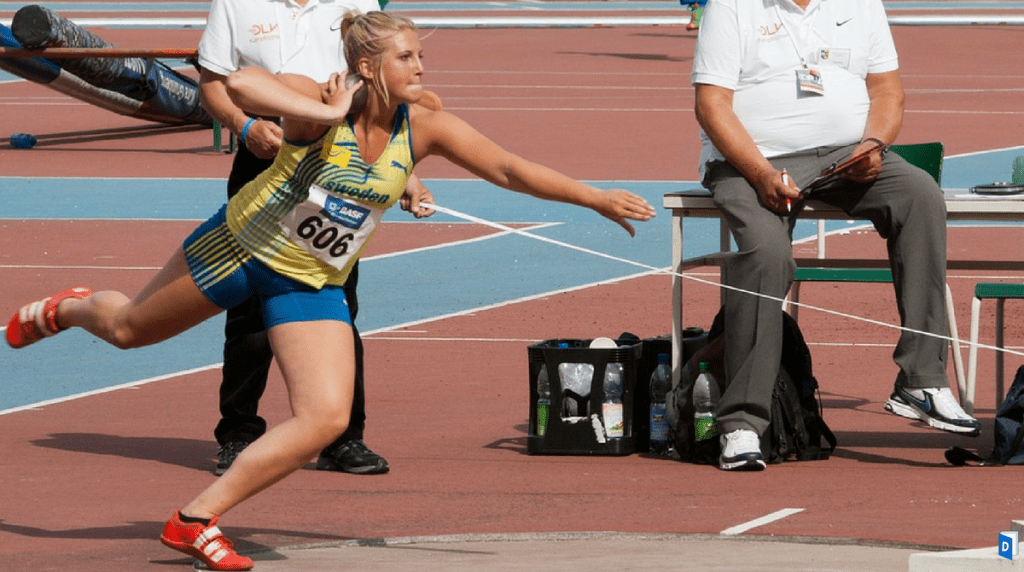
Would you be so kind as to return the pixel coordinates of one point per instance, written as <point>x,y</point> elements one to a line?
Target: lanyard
<point>792,36</point>
<point>809,81</point>
<point>293,23</point>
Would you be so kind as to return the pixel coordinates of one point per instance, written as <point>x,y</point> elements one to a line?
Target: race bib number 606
<point>329,227</point>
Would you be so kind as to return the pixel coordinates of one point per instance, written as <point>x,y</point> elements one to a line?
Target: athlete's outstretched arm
<point>443,134</point>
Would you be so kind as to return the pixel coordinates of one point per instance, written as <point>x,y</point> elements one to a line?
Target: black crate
<point>585,436</point>
<point>693,340</point>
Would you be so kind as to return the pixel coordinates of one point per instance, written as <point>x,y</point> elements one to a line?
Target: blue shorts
<point>228,275</point>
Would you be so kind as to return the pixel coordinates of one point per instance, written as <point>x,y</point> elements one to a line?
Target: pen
<point>785,181</point>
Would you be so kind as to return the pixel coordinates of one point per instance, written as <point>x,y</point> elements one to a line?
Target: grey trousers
<point>906,207</point>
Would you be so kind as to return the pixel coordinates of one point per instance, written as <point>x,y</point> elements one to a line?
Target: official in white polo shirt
<point>784,89</point>
<point>292,36</point>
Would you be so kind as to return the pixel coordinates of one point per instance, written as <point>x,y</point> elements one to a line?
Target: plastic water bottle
<point>705,398</point>
<point>575,379</point>
<point>543,400</point>
<point>661,383</point>
<point>611,408</point>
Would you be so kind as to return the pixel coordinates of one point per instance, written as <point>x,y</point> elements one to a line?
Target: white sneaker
<point>741,451</point>
<point>936,406</point>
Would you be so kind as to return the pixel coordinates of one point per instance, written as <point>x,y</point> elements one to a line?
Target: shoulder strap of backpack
<point>817,452</point>
<point>1010,411</point>
<point>816,426</point>
<point>1014,447</point>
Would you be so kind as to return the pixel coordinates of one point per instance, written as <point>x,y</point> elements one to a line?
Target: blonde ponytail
<point>366,36</point>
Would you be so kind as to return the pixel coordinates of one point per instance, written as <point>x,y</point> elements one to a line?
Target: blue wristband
<point>241,136</point>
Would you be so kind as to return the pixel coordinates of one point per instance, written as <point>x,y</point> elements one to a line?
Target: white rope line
<point>527,234</point>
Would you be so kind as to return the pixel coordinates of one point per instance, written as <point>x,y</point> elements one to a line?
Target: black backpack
<point>797,428</point>
<point>1009,431</point>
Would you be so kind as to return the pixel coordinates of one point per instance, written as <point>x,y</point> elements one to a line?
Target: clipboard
<point>838,168</point>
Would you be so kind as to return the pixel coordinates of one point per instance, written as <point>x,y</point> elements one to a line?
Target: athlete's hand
<point>264,138</point>
<point>415,193</point>
<point>620,205</point>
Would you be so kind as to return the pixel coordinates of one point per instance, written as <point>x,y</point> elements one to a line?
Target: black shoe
<point>352,457</point>
<point>226,455</point>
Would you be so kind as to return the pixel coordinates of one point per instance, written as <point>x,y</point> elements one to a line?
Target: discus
<point>998,188</point>
<point>359,97</point>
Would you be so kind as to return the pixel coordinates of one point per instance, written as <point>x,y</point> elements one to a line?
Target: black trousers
<point>247,353</point>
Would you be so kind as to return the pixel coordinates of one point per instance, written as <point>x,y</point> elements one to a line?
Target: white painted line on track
<point>579,109</point>
<point>966,111</point>
<point>603,88</point>
<point>472,311</point>
<point>526,226</point>
<point>73,267</point>
<point>425,22</point>
<point>365,335</point>
<point>767,519</point>
<point>493,235</point>
<point>128,385</point>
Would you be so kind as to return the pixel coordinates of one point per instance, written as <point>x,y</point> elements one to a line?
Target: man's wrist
<point>245,129</point>
<point>882,145</point>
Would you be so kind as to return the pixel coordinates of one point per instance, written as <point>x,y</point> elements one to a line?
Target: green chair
<point>1000,293</point>
<point>927,156</point>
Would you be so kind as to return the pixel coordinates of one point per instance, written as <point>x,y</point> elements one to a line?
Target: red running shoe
<point>38,320</point>
<point>203,542</point>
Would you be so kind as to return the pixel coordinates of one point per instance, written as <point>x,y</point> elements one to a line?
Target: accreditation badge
<point>838,57</point>
<point>809,82</point>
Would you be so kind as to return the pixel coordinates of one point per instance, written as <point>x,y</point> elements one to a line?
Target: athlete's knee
<point>336,425</point>
<point>124,337</point>
<point>330,422</point>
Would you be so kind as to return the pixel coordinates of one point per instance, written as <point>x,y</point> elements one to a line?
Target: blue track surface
<point>459,278</point>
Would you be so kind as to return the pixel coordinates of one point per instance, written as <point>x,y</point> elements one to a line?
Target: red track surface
<point>86,485</point>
